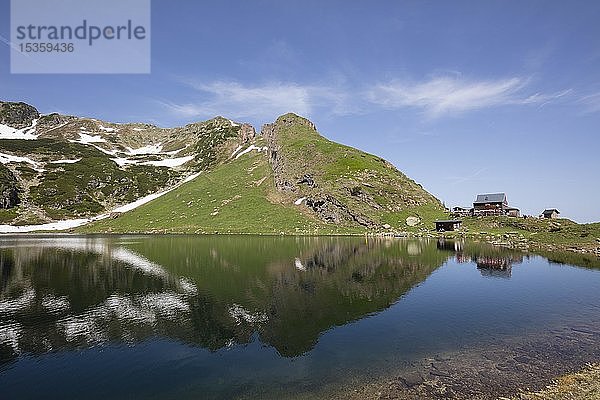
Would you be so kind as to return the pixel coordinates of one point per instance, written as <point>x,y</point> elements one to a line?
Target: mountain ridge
<point>57,167</point>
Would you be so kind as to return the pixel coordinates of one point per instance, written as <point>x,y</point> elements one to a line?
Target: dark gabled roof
<point>449,221</point>
<point>491,198</point>
<point>550,210</point>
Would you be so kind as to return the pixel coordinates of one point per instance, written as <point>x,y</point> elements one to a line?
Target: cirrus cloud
<point>260,101</point>
<point>445,95</point>
<point>451,95</point>
<point>436,97</point>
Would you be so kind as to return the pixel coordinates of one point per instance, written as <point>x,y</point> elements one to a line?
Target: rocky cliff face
<point>287,174</point>
<point>9,192</point>
<point>54,120</point>
<point>296,176</point>
<point>247,133</point>
<point>17,115</point>
<point>283,179</point>
<point>339,184</point>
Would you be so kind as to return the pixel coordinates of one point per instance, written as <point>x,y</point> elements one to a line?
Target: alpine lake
<point>244,317</point>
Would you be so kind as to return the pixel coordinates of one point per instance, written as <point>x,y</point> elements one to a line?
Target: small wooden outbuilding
<point>448,225</point>
<point>550,213</point>
<point>512,212</point>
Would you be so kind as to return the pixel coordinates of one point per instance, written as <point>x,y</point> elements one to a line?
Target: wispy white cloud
<point>453,95</point>
<point>591,103</point>
<point>261,101</point>
<point>541,99</point>
<point>443,95</point>
<point>469,177</point>
<point>239,101</point>
<point>437,96</point>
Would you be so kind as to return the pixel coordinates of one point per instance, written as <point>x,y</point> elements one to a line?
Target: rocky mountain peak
<point>291,119</point>
<point>17,115</point>
<point>270,131</point>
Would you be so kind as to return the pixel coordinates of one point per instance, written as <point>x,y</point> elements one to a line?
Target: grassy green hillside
<point>288,180</point>
<point>566,240</point>
<point>355,186</point>
<point>235,197</point>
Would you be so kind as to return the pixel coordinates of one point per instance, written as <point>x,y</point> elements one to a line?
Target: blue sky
<point>465,97</point>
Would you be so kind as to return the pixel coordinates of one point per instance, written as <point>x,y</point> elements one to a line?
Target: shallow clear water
<point>225,317</point>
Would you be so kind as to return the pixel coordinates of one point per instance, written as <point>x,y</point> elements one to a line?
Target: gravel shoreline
<point>582,385</point>
<point>511,367</point>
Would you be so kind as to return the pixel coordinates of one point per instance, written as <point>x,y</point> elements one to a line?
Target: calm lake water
<point>259,317</point>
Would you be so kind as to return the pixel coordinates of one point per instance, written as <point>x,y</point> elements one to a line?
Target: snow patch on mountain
<point>249,149</point>
<point>170,162</point>
<point>28,133</point>
<point>149,149</point>
<point>84,138</point>
<point>236,150</point>
<point>121,162</point>
<point>167,162</point>
<point>8,158</point>
<point>172,152</point>
<point>65,161</point>
<point>52,226</point>
<point>107,130</point>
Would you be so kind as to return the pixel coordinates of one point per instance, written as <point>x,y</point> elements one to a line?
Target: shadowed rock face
<point>17,115</point>
<point>50,121</point>
<point>277,159</point>
<point>282,167</point>
<point>9,192</point>
<point>247,133</point>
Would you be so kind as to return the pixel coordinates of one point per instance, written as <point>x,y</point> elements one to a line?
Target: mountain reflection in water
<point>66,293</point>
<point>226,317</point>
<point>76,292</point>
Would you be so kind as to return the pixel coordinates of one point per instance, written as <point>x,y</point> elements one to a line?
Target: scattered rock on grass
<point>413,221</point>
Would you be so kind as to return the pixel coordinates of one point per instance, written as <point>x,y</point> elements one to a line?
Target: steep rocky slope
<point>338,183</point>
